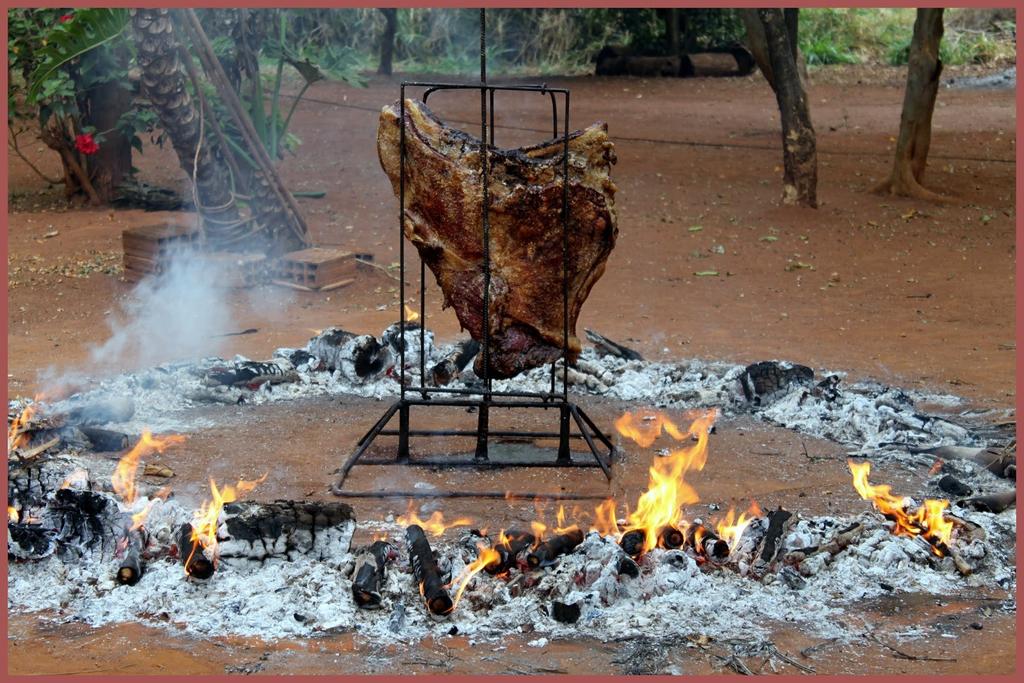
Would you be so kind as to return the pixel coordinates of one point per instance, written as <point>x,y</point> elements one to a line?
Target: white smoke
<point>173,316</point>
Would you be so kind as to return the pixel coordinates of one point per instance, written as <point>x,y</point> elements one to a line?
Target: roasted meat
<point>443,199</point>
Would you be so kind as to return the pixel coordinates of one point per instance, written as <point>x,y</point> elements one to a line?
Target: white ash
<point>673,596</point>
<point>865,416</point>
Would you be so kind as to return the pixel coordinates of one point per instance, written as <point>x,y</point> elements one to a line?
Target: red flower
<point>85,144</point>
<point>65,18</point>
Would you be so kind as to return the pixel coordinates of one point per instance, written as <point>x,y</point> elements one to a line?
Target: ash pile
<point>867,417</point>
<point>91,541</point>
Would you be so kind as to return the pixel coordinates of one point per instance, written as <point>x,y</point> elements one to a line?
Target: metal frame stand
<point>483,400</point>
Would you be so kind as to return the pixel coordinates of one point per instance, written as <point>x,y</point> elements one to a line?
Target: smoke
<point>173,316</point>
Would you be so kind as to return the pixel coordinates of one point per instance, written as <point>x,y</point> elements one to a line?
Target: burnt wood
<point>426,572</point>
<point>551,549</point>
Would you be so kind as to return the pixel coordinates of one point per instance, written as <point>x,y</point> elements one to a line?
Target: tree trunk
<point>163,82</point>
<point>112,163</point>
<point>758,44</point>
<point>672,30</point>
<point>923,70</point>
<point>387,40</point>
<point>799,154</point>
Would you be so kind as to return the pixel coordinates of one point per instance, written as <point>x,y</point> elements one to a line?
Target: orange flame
<point>667,490</point>
<point>484,557</point>
<point>928,520</point>
<point>606,523</point>
<point>206,520</point>
<point>731,529</point>
<point>433,525</point>
<point>411,316</point>
<point>123,479</point>
<point>645,427</point>
<point>12,514</point>
<point>16,438</point>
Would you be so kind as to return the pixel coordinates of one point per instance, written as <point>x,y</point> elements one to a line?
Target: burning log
<point>1001,462</point>
<point>994,502</point>
<point>549,550</point>
<point>778,522</point>
<point>632,542</point>
<point>760,380</point>
<point>369,572</point>
<point>839,542</point>
<point>197,565</point>
<point>606,347</point>
<point>428,576</point>
<point>252,374</point>
<point>132,567</point>
<point>452,365</point>
<point>706,542</point>
<point>259,531</point>
<point>671,537</point>
<point>515,543</point>
<point>105,440</point>
<point>953,486</point>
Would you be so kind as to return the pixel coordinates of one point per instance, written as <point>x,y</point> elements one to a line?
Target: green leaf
<point>89,29</point>
<point>706,273</point>
<point>696,228</point>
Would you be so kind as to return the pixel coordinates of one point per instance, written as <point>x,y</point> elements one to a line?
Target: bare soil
<point>909,293</point>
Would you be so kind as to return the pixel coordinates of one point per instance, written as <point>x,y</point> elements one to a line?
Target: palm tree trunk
<point>163,82</point>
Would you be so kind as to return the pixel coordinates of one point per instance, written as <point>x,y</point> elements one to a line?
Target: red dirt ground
<point>909,293</point>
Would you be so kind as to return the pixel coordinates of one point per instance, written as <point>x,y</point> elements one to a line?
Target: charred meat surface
<point>443,220</point>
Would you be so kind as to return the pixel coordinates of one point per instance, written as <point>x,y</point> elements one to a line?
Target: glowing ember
<point>411,316</point>
<point>12,514</point>
<point>207,519</point>
<point>667,491</point>
<point>435,525</point>
<point>928,521</point>
<point>485,556</point>
<point>123,479</point>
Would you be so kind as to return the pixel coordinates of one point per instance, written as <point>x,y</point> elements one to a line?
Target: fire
<point>411,316</point>
<point>207,519</point>
<point>435,524</point>
<point>16,438</point>
<point>731,529</point>
<point>605,521</point>
<point>667,491</point>
<point>123,479</point>
<point>928,521</point>
<point>645,427</point>
<point>12,514</point>
<point>484,557</point>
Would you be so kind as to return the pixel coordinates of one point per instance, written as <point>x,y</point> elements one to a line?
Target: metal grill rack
<point>484,399</point>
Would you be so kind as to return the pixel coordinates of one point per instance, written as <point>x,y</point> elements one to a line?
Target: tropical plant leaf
<point>89,29</point>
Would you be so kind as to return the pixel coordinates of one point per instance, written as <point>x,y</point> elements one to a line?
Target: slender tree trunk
<point>163,82</point>
<point>799,153</point>
<point>923,70</point>
<point>112,163</point>
<point>387,40</point>
<point>757,43</point>
<point>672,30</point>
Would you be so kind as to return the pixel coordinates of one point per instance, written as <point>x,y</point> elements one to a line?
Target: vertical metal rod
<point>564,454</point>
<point>483,419</point>
<point>403,431</point>
<point>554,117</point>
<point>423,325</point>
<point>401,242</point>
<point>492,117</point>
<point>565,254</point>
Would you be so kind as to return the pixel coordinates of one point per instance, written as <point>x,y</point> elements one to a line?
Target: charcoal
<point>565,613</point>
<point>606,347</point>
<point>328,345</point>
<point>451,366</point>
<point>954,487</point>
<point>761,380</point>
<point>425,570</point>
<point>369,571</point>
<point>627,566</point>
<point>252,373</point>
<point>29,541</point>
<point>285,529</point>
<point>552,548</point>
<point>632,542</point>
<point>105,440</point>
